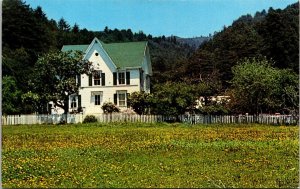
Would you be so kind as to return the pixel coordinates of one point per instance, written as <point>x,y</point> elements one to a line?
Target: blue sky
<point>183,18</point>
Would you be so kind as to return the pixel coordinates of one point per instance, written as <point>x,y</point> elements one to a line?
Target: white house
<point>122,68</point>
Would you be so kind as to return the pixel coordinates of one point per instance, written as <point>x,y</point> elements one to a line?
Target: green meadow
<point>150,156</point>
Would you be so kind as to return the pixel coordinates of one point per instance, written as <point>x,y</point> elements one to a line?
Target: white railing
<point>121,117</point>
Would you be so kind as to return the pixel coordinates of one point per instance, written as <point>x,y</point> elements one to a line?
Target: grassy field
<point>150,155</point>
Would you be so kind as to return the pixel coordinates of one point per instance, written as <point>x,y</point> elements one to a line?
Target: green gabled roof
<point>123,55</point>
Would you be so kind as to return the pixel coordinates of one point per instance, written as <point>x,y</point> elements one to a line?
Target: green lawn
<point>150,155</point>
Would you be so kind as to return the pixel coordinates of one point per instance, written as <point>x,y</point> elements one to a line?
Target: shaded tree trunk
<point>66,105</point>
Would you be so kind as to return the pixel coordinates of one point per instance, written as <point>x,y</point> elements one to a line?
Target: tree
<point>27,33</point>
<point>17,63</point>
<point>75,28</point>
<point>32,103</point>
<point>173,99</point>
<point>252,84</point>
<point>107,30</point>
<point>140,102</point>
<point>274,35</point>
<point>140,36</point>
<point>63,25</point>
<point>11,96</point>
<point>129,34</point>
<point>200,65</point>
<point>259,88</point>
<point>234,43</point>
<point>38,12</point>
<point>280,32</point>
<point>24,27</point>
<point>288,91</point>
<point>55,75</point>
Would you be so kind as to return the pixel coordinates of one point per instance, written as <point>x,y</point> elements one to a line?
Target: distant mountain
<point>193,42</point>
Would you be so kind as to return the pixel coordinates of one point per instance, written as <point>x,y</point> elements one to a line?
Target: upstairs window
<point>121,78</point>
<point>97,78</point>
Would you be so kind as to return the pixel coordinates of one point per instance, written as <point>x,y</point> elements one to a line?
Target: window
<point>121,78</point>
<point>73,102</point>
<point>96,97</point>
<point>120,98</point>
<point>97,100</point>
<point>97,78</point>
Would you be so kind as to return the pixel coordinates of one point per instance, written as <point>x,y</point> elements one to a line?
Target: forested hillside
<point>28,33</point>
<point>273,34</point>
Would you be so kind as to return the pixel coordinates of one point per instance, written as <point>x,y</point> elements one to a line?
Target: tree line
<point>268,39</point>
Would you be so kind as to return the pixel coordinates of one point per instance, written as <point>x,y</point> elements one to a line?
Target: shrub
<point>216,109</point>
<point>90,119</point>
<point>140,102</point>
<point>109,107</point>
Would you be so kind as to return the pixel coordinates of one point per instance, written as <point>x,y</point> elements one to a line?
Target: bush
<point>216,109</point>
<point>140,102</point>
<point>109,107</point>
<point>90,119</point>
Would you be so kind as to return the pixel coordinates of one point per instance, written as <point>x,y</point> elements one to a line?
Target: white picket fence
<point>77,118</point>
<point>41,119</point>
<point>121,117</point>
<point>240,119</point>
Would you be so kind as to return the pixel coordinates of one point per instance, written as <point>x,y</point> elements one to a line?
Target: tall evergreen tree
<point>63,25</point>
<point>280,32</point>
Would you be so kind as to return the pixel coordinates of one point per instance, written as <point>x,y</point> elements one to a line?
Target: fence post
<point>14,119</point>
<point>4,120</point>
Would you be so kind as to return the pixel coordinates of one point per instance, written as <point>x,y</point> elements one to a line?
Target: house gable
<point>120,55</point>
<point>99,57</point>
